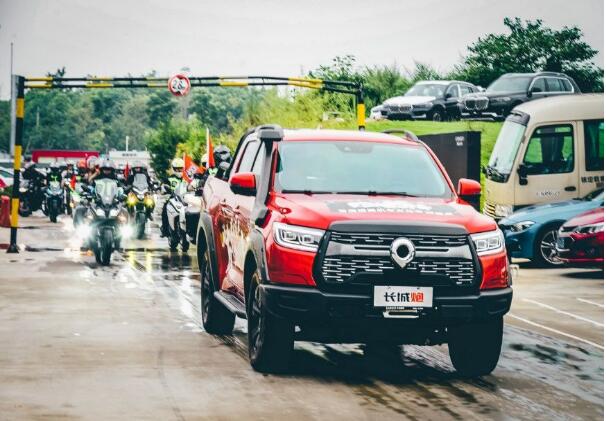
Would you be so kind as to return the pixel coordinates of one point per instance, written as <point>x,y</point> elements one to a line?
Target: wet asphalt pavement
<point>126,342</point>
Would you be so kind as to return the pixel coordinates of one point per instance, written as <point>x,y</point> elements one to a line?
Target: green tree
<point>530,46</point>
<point>5,125</point>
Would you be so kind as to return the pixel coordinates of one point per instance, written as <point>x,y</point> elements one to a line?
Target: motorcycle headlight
<point>113,213</point>
<point>126,231</point>
<point>296,237</point>
<point>503,211</point>
<point>22,189</point>
<point>100,212</point>
<point>149,202</point>
<point>521,226</point>
<point>489,242</point>
<point>84,231</point>
<point>589,229</point>
<point>131,200</point>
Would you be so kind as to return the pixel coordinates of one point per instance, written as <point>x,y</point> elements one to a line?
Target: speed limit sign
<point>179,85</point>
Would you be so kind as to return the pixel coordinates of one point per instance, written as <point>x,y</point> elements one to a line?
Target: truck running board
<point>232,303</point>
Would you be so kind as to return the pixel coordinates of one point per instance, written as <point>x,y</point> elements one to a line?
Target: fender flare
<point>205,226</point>
<point>256,253</point>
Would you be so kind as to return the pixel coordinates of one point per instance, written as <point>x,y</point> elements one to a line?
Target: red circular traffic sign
<point>179,85</point>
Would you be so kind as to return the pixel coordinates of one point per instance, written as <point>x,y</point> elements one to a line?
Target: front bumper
<point>346,317</point>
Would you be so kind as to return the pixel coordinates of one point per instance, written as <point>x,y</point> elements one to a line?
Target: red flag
<point>126,170</point>
<point>209,150</point>
<point>189,168</point>
<point>72,182</point>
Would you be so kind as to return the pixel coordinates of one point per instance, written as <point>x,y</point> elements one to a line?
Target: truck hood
<point>408,100</point>
<point>321,210</point>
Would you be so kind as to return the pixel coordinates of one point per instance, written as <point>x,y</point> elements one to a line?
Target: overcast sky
<point>273,37</point>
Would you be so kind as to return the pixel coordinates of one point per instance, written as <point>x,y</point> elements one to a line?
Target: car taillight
<point>495,271</point>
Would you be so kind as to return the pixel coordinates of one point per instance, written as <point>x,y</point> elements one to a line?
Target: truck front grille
<point>489,209</point>
<point>364,258</point>
<point>476,103</point>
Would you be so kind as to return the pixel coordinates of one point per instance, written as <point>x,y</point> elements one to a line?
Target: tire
<point>184,242</point>
<point>216,319</point>
<point>106,247</point>
<point>68,202</point>
<point>437,115</point>
<point>475,348</point>
<point>24,208</point>
<point>545,254</point>
<point>140,219</point>
<point>53,212</point>
<point>270,339</point>
<point>173,236</point>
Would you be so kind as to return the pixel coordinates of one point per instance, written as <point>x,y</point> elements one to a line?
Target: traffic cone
<point>5,212</point>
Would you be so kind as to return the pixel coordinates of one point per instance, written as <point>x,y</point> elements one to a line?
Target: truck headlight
<point>425,105</point>
<point>489,242</point>
<point>296,237</point>
<point>521,226</point>
<point>503,211</point>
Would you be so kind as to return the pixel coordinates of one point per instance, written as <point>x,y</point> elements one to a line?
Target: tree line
<point>165,125</point>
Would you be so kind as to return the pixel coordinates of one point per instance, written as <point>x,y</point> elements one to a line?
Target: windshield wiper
<point>379,193</point>
<point>306,191</point>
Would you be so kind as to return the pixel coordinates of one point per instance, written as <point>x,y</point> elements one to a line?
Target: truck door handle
<point>570,188</point>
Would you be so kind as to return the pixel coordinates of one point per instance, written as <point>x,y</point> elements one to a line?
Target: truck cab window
<point>248,156</point>
<point>550,150</point>
<point>594,145</point>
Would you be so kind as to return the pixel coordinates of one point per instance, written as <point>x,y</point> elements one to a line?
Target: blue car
<point>531,232</point>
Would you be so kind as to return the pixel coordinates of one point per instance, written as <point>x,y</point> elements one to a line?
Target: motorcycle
<point>105,224</point>
<point>31,197</point>
<point>189,215</point>
<point>140,204</point>
<point>176,234</point>
<point>54,197</point>
<point>79,201</point>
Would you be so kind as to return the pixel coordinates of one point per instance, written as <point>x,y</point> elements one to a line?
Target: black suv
<point>512,89</point>
<point>436,100</point>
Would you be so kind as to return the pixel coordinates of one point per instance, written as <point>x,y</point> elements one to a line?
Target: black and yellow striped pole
<point>360,110</point>
<point>19,113</point>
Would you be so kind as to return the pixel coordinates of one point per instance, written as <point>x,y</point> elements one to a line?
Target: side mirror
<point>534,90</point>
<point>243,183</point>
<point>470,191</point>
<point>448,95</point>
<point>523,174</point>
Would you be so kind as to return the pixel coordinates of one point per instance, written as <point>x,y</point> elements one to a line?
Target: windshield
<point>55,185</point>
<point>106,190</point>
<point>140,182</point>
<point>506,148</point>
<point>510,84</point>
<point>426,89</point>
<point>358,168</point>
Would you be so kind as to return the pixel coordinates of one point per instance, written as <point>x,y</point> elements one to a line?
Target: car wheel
<point>475,348</point>
<point>216,319</point>
<point>545,253</point>
<point>437,115</point>
<point>270,339</point>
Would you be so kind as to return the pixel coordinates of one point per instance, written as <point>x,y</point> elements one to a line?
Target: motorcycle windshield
<point>106,191</point>
<point>181,189</point>
<point>140,183</point>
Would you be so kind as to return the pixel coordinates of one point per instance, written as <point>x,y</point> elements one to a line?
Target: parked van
<point>548,150</point>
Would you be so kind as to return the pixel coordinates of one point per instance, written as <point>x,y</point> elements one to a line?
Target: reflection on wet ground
<point>537,375</point>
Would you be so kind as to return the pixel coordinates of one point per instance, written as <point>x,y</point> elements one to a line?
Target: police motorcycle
<point>54,197</point>
<point>105,223</point>
<point>176,232</point>
<point>140,204</point>
<point>31,191</point>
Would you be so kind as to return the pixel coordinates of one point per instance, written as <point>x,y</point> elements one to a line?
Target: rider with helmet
<point>137,168</point>
<point>221,154</point>
<point>54,173</point>
<point>92,170</point>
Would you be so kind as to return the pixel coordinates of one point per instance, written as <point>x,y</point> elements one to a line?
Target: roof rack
<point>407,133</point>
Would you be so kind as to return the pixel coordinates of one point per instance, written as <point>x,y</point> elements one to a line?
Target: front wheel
<point>106,247</point>
<point>140,219</point>
<point>437,115</point>
<point>53,211</point>
<point>545,252</point>
<point>24,207</point>
<point>475,348</point>
<point>270,339</point>
<point>184,242</point>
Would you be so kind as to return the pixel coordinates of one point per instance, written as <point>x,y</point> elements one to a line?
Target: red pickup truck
<point>349,237</point>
